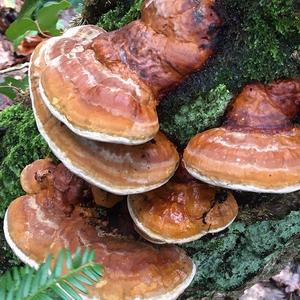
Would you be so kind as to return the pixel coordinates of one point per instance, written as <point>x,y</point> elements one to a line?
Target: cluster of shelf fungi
<point>94,96</point>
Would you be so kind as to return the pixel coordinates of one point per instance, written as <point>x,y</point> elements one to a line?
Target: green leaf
<point>60,292</point>
<point>44,270</point>
<point>91,274</point>
<point>59,264</point>
<point>85,256</point>
<point>28,8</point>
<point>84,279</point>
<point>67,288</point>
<point>19,27</point>
<point>27,283</point>
<point>10,86</point>
<point>69,261</point>
<point>19,39</point>
<point>38,284</point>
<point>76,283</point>
<point>98,269</point>
<point>47,16</point>
<point>77,258</point>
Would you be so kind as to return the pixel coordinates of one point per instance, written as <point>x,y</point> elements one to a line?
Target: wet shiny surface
<point>183,209</point>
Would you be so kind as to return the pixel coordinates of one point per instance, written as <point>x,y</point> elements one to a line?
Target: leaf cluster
<point>36,17</point>
<point>20,144</point>
<point>69,277</point>
<point>11,87</point>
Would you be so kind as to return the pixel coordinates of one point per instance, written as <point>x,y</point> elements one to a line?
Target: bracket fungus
<point>258,147</point>
<point>120,169</point>
<point>182,211</point>
<point>57,217</point>
<point>105,85</point>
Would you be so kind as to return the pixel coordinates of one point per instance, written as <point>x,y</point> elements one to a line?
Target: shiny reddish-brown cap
<point>87,96</point>
<point>182,211</point>
<point>120,169</point>
<point>31,177</point>
<point>43,223</point>
<point>258,147</point>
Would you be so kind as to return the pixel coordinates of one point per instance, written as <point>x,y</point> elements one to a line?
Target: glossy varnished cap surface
<point>121,169</point>
<point>258,147</point>
<point>182,211</point>
<point>42,223</point>
<point>93,100</point>
<point>105,85</point>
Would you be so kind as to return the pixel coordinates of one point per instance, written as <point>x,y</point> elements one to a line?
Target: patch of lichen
<point>228,260</point>
<point>289,255</point>
<point>20,144</point>
<point>123,13</point>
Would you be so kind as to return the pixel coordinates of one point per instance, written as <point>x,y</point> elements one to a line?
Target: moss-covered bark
<point>111,14</point>
<point>20,144</point>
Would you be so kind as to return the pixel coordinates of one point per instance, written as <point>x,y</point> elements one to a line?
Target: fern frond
<point>69,277</point>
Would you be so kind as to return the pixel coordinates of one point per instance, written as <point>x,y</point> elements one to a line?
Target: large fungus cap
<point>182,211</point>
<point>83,93</point>
<point>43,223</point>
<point>120,169</point>
<point>258,147</point>
<point>105,86</point>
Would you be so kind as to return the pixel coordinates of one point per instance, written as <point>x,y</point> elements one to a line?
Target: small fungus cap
<point>258,147</point>
<point>182,211</point>
<point>32,179</point>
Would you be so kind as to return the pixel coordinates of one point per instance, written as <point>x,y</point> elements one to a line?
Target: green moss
<point>123,13</point>
<point>228,260</point>
<point>19,145</point>
<point>198,115</point>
